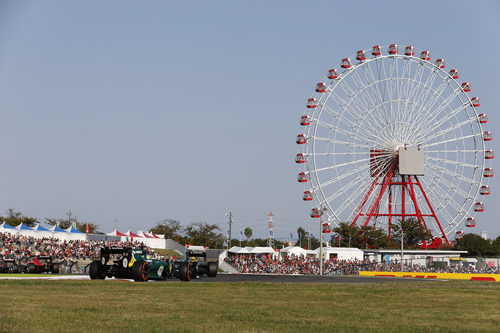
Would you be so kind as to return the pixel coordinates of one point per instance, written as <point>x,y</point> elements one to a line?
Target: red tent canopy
<point>116,233</point>
<point>131,234</point>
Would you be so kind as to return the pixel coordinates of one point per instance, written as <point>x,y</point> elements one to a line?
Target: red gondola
<point>479,207</point>
<point>409,50</point>
<point>393,49</point>
<point>312,103</point>
<point>454,73</point>
<point>327,228</point>
<point>466,86</point>
<point>361,55</point>
<point>425,55</point>
<point>300,158</point>
<point>301,139</point>
<point>440,63</point>
<point>320,87</point>
<point>488,154</point>
<point>484,190</point>
<point>332,74</point>
<point>487,136</point>
<point>471,222</point>
<point>459,234</point>
<point>305,120</point>
<point>346,63</point>
<point>488,172</point>
<point>483,118</point>
<point>315,212</point>
<point>307,196</point>
<point>376,50</point>
<point>475,101</point>
<point>302,177</point>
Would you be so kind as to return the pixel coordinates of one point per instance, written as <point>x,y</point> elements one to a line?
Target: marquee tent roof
<point>73,230</point>
<point>131,234</point>
<point>39,227</point>
<point>56,228</point>
<point>23,226</point>
<point>7,226</point>
<point>116,233</point>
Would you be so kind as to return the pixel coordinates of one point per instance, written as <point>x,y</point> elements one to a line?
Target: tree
<point>413,232</point>
<point>301,236</point>
<point>475,245</point>
<point>14,219</point>
<point>170,228</point>
<point>248,233</point>
<point>495,247</point>
<point>202,233</point>
<point>64,223</point>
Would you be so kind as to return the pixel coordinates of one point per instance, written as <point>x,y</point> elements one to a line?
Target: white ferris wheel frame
<point>359,97</point>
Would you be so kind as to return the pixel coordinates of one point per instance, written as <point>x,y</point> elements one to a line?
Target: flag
<point>224,244</point>
<point>291,236</point>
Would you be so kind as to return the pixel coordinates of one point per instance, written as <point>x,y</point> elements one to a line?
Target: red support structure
<point>359,211</point>
<point>390,179</point>
<point>386,182</point>
<point>432,210</point>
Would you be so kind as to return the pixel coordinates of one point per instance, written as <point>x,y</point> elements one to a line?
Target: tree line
<point>204,234</point>
<point>15,218</point>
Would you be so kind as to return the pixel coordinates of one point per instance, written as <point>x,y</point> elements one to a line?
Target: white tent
<point>341,253</point>
<point>293,251</point>
<point>238,250</point>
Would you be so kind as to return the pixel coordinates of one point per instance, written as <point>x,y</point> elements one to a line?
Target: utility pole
<point>230,215</point>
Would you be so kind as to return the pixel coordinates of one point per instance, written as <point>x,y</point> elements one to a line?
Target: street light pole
<point>323,209</point>
<point>402,236</point>
<point>321,244</point>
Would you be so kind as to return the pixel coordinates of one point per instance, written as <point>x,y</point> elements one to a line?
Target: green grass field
<point>114,306</point>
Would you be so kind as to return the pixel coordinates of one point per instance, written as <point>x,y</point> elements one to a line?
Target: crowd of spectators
<point>264,264</point>
<point>308,265</point>
<point>68,253</point>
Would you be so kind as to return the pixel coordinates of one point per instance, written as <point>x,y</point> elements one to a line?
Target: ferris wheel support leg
<point>365,199</point>
<point>390,211</point>
<point>432,210</point>
<point>387,180</point>
<point>403,188</point>
<point>417,210</point>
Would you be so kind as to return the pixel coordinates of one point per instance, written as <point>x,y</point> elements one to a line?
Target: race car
<point>136,264</point>
<point>42,264</point>
<point>199,263</point>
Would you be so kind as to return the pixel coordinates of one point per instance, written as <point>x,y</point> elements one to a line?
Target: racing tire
<point>185,271</point>
<point>96,270</point>
<point>140,271</point>
<point>31,268</point>
<point>55,269</point>
<point>212,269</point>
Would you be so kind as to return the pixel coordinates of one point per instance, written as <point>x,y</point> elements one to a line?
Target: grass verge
<point>113,306</point>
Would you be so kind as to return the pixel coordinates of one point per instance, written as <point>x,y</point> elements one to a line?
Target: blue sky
<point>139,111</point>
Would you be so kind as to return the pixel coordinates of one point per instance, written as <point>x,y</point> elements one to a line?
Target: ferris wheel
<point>389,136</point>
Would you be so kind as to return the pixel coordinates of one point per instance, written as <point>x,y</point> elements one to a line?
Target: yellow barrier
<point>445,276</point>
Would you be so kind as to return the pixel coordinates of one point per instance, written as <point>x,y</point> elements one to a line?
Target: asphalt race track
<point>245,278</point>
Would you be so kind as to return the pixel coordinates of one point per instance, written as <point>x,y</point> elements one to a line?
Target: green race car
<point>137,264</point>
